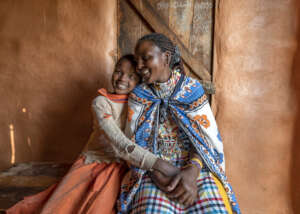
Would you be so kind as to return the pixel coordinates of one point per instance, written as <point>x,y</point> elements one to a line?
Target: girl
<point>92,184</point>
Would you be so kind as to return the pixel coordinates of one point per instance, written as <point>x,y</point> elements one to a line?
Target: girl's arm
<point>125,148</point>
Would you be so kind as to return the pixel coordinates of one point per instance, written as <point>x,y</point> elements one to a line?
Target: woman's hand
<point>163,174</point>
<point>183,187</point>
<point>160,180</point>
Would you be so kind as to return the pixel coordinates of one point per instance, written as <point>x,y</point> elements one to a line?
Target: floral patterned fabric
<point>167,119</point>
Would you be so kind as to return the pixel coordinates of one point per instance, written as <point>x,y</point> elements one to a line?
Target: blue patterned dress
<point>171,144</point>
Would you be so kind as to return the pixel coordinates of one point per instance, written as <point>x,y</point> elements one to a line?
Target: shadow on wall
<point>295,167</point>
<point>68,128</point>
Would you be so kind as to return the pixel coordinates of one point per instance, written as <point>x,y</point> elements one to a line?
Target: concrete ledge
<point>27,179</point>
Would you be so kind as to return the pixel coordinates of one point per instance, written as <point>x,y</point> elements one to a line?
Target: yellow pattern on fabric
<point>198,161</point>
<point>223,194</point>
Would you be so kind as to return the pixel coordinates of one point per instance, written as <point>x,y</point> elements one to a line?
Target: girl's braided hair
<point>129,57</point>
<point>165,44</point>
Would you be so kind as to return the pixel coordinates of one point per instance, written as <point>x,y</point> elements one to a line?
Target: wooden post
<point>151,16</point>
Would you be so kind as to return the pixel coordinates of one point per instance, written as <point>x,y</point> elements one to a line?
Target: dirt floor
<point>27,179</point>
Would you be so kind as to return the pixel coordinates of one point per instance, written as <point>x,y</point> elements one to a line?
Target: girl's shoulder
<point>100,99</point>
<point>102,104</point>
<point>110,98</point>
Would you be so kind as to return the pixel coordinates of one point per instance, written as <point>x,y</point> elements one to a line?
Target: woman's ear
<point>167,56</point>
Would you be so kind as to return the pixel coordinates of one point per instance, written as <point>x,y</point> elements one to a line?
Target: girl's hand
<point>183,187</point>
<point>160,180</point>
<point>163,174</point>
<point>165,168</point>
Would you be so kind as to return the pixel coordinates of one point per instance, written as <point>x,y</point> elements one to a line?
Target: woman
<point>169,115</point>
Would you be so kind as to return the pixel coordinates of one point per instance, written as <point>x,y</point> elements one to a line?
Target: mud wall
<point>54,54</point>
<point>256,73</point>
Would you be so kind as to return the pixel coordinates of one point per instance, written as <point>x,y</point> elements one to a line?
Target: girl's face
<point>152,63</point>
<point>124,78</point>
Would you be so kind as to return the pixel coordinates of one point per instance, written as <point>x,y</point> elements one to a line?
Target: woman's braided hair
<point>165,44</point>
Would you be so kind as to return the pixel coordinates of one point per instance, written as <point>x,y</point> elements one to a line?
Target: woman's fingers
<point>159,177</point>
<point>184,198</point>
<point>161,187</point>
<point>159,180</point>
<point>174,183</point>
<point>177,192</point>
<point>190,201</point>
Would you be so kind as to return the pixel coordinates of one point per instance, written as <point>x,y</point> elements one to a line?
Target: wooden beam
<point>153,18</point>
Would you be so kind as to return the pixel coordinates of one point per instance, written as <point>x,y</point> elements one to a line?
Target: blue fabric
<point>187,92</point>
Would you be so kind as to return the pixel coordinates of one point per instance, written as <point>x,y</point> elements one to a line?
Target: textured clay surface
<point>54,55</point>
<point>256,101</point>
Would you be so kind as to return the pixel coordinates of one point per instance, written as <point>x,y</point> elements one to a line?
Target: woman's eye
<point>145,58</point>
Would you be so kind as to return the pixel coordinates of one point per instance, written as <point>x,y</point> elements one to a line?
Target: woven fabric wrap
<point>189,108</point>
<point>153,200</point>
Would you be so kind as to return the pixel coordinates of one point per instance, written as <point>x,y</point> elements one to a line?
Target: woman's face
<point>124,78</point>
<point>152,63</point>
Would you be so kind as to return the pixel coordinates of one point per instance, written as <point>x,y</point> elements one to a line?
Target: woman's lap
<point>149,199</point>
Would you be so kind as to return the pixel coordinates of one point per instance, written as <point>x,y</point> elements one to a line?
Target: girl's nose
<point>123,77</point>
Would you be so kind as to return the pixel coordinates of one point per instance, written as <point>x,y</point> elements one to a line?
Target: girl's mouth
<point>121,85</point>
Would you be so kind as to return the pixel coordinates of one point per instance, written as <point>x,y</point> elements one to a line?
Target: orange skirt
<point>85,189</point>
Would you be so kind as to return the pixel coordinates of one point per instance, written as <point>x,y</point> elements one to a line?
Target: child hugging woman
<point>92,185</point>
<point>172,146</point>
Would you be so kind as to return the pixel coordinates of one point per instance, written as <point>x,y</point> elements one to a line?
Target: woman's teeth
<point>145,74</point>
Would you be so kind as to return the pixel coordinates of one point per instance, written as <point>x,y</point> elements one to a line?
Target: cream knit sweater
<point>108,143</point>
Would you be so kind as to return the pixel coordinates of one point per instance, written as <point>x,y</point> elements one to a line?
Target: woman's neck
<point>166,75</point>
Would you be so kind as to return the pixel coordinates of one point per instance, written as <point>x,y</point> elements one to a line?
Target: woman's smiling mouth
<point>145,73</point>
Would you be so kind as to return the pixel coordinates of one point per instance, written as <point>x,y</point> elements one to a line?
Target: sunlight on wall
<point>12,143</point>
<point>29,141</point>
